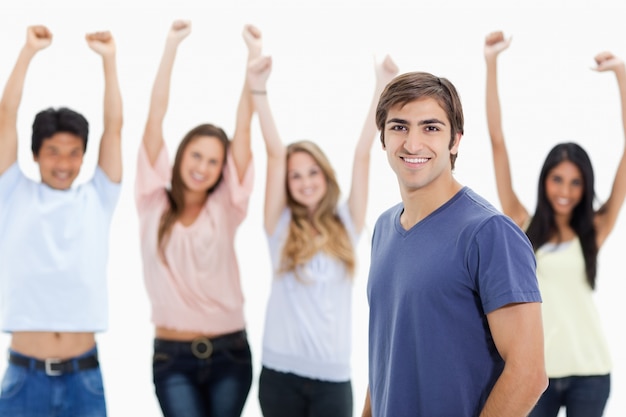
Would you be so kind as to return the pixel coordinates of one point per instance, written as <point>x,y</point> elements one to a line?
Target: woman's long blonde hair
<point>323,231</point>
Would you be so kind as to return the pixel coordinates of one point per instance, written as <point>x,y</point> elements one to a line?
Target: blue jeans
<point>204,378</point>
<point>582,396</point>
<point>288,395</point>
<point>30,392</point>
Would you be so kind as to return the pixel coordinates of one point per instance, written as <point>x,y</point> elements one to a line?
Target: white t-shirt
<point>53,253</point>
<point>308,320</point>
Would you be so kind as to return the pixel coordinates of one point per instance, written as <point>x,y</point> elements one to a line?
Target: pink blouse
<point>199,289</point>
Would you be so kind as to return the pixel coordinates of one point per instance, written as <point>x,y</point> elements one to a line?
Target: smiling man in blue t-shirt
<point>455,318</point>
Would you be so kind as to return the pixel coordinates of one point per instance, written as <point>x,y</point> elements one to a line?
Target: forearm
<point>273,143</point>
<point>12,95</point>
<point>494,116</point>
<point>367,407</point>
<point>113,112</point>
<point>160,95</point>
<point>515,393</point>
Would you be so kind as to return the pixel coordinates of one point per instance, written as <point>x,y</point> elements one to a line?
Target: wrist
<point>258,92</point>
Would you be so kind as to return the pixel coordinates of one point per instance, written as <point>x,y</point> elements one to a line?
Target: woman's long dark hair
<point>543,226</point>
<point>176,193</point>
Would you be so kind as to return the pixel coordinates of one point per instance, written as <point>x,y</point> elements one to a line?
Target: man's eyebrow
<point>420,123</point>
<point>430,122</point>
<point>398,121</point>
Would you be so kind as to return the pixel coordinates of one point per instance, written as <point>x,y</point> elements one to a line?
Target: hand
<point>606,61</point>
<point>38,37</point>
<point>180,30</point>
<point>495,43</point>
<point>259,70</point>
<point>252,37</point>
<point>101,42</point>
<point>386,70</point>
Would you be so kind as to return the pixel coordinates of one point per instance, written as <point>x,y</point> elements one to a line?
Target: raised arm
<point>357,200</point>
<point>240,146</point>
<point>37,38</point>
<point>159,99</point>
<point>511,206</point>
<point>518,334</point>
<point>275,192</point>
<point>110,155</point>
<point>607,215</point>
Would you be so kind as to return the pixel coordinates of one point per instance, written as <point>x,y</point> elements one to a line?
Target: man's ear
<point>457,141</point>
<point>35,158</point>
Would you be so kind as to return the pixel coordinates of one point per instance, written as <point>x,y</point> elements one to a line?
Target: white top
<point>574,341</point>
<point>308,320</point>
<point>53,253</point>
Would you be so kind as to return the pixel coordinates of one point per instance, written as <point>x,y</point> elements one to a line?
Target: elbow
<point>538,383</point>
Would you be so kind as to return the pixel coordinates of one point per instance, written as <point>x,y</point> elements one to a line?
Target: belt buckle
<point>49,362</point>
<point>202,348</point>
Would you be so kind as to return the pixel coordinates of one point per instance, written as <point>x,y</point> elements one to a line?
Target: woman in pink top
<point>189,214</point>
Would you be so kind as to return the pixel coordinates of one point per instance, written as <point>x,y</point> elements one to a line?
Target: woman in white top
<point>566,233</point>
<point>312,238</point>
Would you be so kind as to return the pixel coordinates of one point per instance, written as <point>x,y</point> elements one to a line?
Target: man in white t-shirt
<point>54,246</point>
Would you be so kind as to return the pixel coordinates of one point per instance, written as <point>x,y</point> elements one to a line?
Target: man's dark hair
<point>51,121</point>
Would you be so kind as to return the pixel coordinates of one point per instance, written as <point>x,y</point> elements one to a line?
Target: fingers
<point>38,37</point>
<point>179,25</point>
<point>390,66</point>
<point>103,37</point>
<point>252,31</point>
<point>41,32</point>
<point>494,38</point>
<point>603,57</point>
<point>260,64</point>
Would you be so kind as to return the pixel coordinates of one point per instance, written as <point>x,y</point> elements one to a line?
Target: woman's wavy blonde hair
<point>323,231</point>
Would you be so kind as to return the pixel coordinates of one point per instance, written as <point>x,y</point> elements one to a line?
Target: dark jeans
<point>288,395</point>
<point>582,396</point>
<point>202,379</point>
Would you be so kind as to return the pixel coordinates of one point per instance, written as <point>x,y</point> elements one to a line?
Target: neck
<point>420,203</point>
<point>195,198</point>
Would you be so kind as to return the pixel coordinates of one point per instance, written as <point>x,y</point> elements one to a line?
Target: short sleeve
<point>343,211</point>
<point>503,265</point>
<point>151,178</point>
<point>108,190</point>
<point>239,191</point>
<point>9,180</point>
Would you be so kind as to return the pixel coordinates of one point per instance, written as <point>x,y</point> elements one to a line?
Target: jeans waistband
<point>203,347</point>
<point>55,366</point>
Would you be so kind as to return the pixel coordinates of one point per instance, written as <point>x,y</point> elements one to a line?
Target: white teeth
<point>197,177</point>
<point>416,160</point>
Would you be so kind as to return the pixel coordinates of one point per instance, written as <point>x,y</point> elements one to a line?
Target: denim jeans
<point>582,396</point>
<point>193,380</point>
<point>30,392</point>
<point>288,395</point>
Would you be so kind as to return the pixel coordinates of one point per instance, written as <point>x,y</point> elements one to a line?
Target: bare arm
<point>367,407</point>
<point>518,334</point>
<point>110,156</point>
<point>511,206</point>
<point>37,38</point>
<point>240,146</point>
<point>159,99</point>
<point>607,215</point>
<point>357,200</point>
<point>275,192</point>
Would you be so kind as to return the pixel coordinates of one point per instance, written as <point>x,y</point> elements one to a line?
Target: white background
<point>320,89</point>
